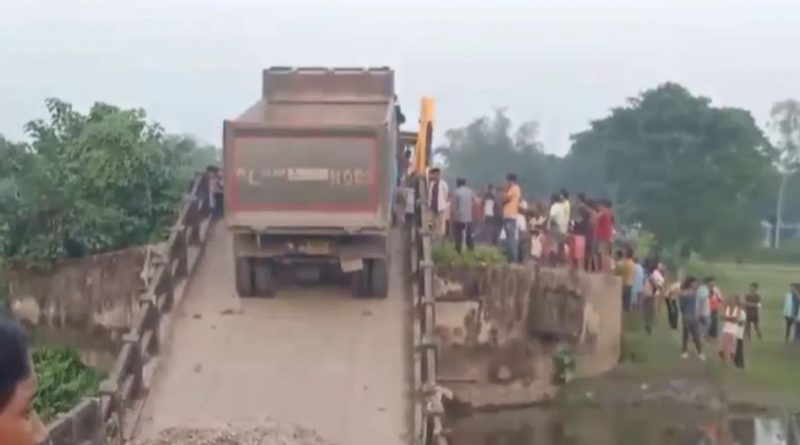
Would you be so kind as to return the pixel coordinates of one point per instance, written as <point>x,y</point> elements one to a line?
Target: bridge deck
<point>312,356</point>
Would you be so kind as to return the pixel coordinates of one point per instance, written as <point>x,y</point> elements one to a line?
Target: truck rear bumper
<point>307,248</point>
<point>308,223</point>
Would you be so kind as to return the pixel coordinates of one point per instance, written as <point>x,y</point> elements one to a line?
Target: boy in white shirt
<point>438,199</point>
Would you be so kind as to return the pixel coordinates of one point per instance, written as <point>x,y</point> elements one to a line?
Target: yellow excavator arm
<point>422,151</point>
<point>421,140</point>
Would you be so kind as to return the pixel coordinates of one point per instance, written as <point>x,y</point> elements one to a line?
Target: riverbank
<point>651,368</point>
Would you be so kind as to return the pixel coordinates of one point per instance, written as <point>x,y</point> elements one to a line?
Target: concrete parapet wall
<point>86,302</point>
<point>498,327</point>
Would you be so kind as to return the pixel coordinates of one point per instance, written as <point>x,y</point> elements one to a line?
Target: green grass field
<point>772,372</point>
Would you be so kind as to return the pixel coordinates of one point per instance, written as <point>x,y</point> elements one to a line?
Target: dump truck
<point>310,172</point>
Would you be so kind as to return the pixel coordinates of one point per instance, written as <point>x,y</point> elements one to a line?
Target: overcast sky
<point>192,63</point>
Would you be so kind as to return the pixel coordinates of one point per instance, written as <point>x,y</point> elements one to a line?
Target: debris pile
<point>268,434</point>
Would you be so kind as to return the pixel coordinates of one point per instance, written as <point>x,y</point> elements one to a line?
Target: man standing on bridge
<point>463,202</point>
<point>215,187</point>
<point>510,213</point>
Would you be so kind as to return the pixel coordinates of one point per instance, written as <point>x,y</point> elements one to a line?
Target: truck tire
<point>379,278</point>
<point>360,283</point>
<point>244,277</point>
<point>264,278</point>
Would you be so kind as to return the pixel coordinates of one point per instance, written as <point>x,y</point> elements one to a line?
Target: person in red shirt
<point>603,233</point>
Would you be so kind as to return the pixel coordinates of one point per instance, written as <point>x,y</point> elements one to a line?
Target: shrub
<point>63,380</point>
<point>564,364</point>
<point>445,254</point>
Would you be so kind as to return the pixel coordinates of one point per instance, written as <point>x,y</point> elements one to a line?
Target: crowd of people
<point>706,317</point>
<point>562,231</point>
<point>700,310</point>
<point>579,232</point>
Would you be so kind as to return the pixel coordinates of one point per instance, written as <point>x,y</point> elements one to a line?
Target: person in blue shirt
<point>638,282</point>
<point>687,301</point>
<point>703,304</point>
<point>791,305</point>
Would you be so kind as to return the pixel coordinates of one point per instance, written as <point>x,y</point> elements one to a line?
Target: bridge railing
<point>428,409</point>
<point>103,419</point>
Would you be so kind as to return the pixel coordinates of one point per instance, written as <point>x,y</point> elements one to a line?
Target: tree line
<point>699,177</point>
<point>92,182</point>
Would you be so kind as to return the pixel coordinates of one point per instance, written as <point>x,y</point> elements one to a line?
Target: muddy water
<point>628,426</point>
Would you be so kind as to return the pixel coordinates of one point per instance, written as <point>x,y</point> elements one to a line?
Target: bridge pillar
<point>498,330</point>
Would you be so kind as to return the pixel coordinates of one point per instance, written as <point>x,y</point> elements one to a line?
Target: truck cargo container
<point>310,172</point>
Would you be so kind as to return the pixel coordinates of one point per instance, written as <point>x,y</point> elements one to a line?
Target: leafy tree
<point>786,121</point>
<point>89,183</point>
<point>195,155</point>
<point>688,171</point>
<point>487,149</point>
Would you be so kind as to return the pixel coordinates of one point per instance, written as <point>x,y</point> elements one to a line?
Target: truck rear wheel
<point>379,278</point>
<point>264,278</point>
<point>360,283</point>
<point>244,277</point>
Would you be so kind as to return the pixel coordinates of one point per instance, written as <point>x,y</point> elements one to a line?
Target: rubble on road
<point>269,434</point>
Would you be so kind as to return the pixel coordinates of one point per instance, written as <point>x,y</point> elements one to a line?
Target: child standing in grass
<point>791,303</point>
<point>671,300</point>
<point>738,358</point>
<point>731,315</point>
<point>752,307</point>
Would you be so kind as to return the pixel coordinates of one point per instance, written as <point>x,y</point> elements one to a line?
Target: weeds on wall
<point>445,254</point>
<point>63,380</point>
<point>564,364</point>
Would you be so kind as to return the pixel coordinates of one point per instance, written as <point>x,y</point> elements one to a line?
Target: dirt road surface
<point>314,357</point>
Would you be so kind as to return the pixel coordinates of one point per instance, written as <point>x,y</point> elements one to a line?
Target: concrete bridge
<point>314,357</point>
<point>195,355</point>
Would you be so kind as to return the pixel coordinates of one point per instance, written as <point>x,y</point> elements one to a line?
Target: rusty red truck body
<point>309,175</point>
